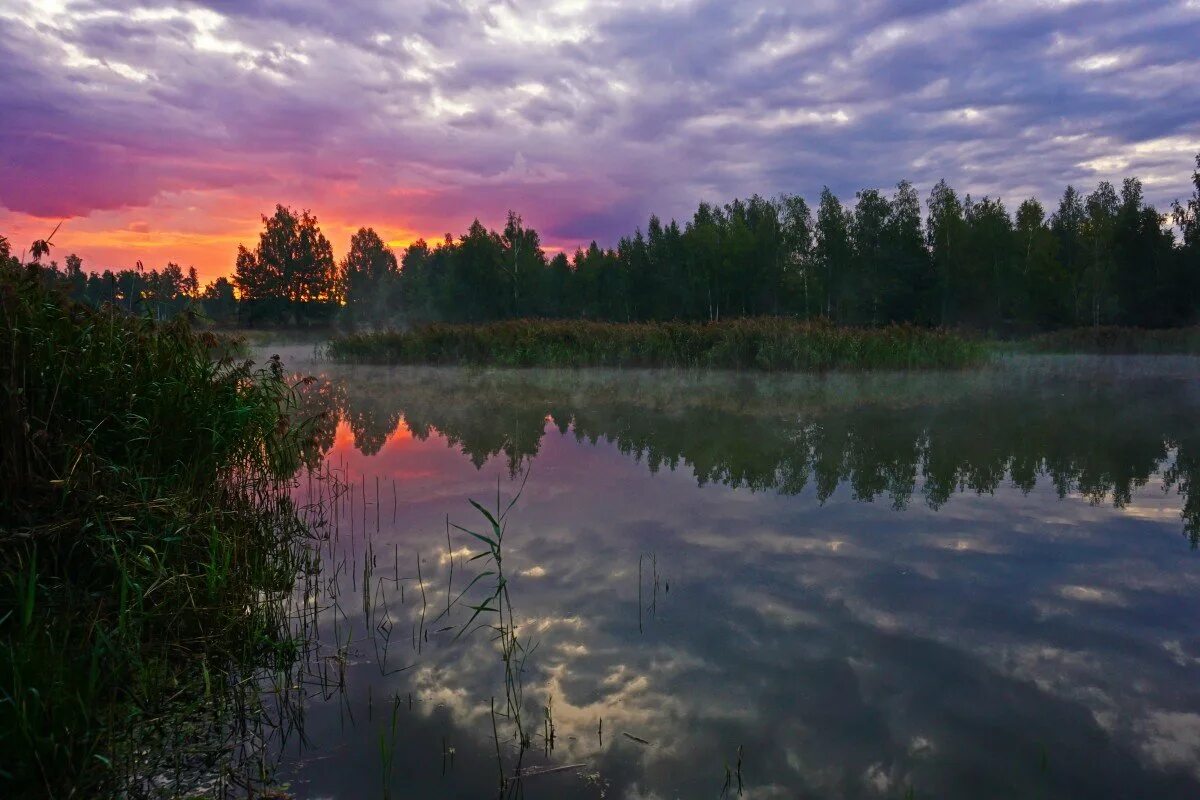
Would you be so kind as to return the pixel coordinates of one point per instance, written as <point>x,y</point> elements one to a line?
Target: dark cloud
<point>635,107</point>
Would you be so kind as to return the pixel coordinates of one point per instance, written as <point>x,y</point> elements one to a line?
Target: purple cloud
<point>586,116</point>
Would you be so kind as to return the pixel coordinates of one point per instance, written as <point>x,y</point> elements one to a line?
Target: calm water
<point>976,585</point>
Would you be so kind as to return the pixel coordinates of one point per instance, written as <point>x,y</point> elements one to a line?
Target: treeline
<point>167,292</point>
<point>1104,258</point>
<point>163,293</point>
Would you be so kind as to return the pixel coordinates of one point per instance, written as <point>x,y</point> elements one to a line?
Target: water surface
<point>965,585</point>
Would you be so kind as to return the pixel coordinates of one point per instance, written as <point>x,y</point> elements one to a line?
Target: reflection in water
<point>736,605</point>
<point>949,433</point>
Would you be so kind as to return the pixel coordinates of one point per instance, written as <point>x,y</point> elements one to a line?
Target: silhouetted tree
<point>291,274</point>
<point>370,273</point>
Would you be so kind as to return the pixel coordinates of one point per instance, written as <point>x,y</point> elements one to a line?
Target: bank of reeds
<point>763,343</point>
<point>144,532</point>
<point>1114,340</point>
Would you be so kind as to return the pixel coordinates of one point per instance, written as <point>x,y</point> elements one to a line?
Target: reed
<point>146,537</point>
<point>762,343</point>
<point>1113,340</point>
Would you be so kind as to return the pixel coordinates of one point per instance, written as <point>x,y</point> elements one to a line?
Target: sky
<point>162,131</point>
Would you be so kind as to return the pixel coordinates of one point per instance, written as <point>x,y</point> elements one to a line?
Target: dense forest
<point>1104,258</point>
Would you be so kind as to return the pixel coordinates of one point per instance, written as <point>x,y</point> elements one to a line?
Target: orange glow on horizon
<point>118,239</point>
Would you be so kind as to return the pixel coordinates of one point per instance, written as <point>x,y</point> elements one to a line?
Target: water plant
<point>761,343</point>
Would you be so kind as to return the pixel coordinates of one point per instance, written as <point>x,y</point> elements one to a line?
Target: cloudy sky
<point>161,131</point>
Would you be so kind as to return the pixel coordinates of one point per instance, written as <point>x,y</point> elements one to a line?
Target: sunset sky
<point>162,131</point>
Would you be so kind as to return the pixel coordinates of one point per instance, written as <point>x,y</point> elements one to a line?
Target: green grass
<point>763,343</point>
<point>145,533</point>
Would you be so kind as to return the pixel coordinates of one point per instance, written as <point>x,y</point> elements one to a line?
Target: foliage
<point>1101,259</point>
<point>370,271</point>
<point>142,530</point>
<point>767,343</point>
<point>290,276</point>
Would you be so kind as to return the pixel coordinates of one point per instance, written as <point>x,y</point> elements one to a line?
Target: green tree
<point>946,234</point>
<point>370,273</point>
<point>522,262</point>
<point>801,284</point>
<point>989,256</point>
<point>906,276</point>
<point>1067,225</point>
<point>1045,287</point>
<point>833,254</point>
<point>1186,217</point>
<point>1100,225</point>
<point>291,272</point>
<point>868,230</point>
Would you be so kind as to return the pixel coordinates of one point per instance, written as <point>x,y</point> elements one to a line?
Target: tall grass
<point>765,343</point>
<point>144,530</point>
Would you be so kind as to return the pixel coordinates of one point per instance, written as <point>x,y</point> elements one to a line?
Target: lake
<point>982,584</point>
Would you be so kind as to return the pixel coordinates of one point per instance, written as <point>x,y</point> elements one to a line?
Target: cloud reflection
<point>852,649</point>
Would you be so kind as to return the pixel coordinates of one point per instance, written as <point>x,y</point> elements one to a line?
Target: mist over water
<point>979,584</point>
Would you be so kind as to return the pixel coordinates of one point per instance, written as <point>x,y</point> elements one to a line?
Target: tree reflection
<point>1099,439</point>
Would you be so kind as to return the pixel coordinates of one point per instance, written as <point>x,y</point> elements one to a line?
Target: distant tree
<point>1186,217</point>
<point>800,282</point>
<point>989,255</point>
<point>522,260</point>
<point>370,273</point>
<point>252,281</point>
<point>907,275</point>
<point>1067,225</point>
<point>219,301</point>
<point>557,287</point>
<point>191,284</point>
<point>868,230</point>
<point>75,278</point>
<point>477,290</point>
<point>1045,287</point>
<point>705,260</point>
<point>292,267</point>
<point>1143,262</point>
<point>416,288</point>
<point>1104,258</point>
<point>1100,223</point>
<point>833,254</point>
<point>945,234</point>
<point>663,295</point>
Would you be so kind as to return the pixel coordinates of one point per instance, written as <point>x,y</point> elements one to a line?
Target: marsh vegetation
<point>147,536</point>
<point>762,343</point>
